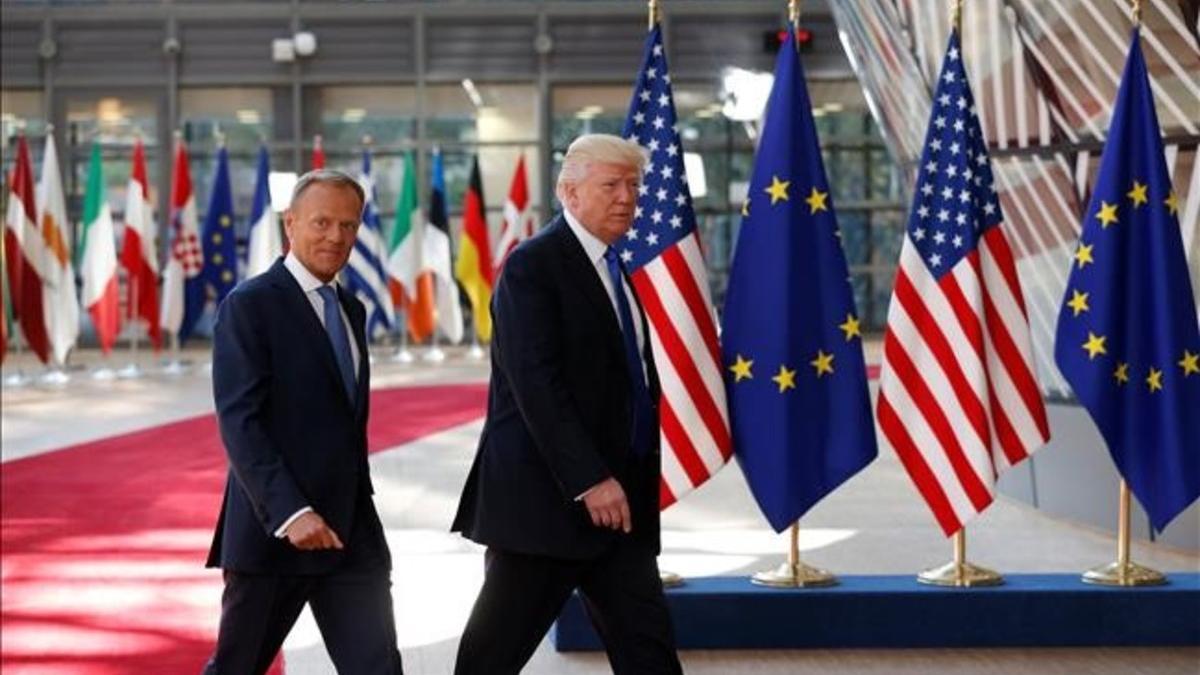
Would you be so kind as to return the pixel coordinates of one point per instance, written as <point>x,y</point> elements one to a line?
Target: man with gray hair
<point>564,488</point>
<point>291,382</point>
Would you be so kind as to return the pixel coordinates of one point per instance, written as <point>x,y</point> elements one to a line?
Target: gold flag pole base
<point>1123,572</point>
<point>959,573</point>
<point>670,579</point>
<point>1128,574</point>
<point>793,573</point>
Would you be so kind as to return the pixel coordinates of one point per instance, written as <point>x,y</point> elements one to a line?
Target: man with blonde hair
<point>564,488</point>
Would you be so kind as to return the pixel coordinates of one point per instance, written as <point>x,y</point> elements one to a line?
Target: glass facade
<point>414,98</point>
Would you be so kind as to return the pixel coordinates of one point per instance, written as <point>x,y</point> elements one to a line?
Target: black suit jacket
<point>292,435</point>
<point>559,410</point>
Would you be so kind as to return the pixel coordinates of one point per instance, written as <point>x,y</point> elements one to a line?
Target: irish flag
<point>415,288</point>
<point>98,257</point>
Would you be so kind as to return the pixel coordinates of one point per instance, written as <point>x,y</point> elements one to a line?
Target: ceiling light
<point>745,93</point>
<point>472,92</point>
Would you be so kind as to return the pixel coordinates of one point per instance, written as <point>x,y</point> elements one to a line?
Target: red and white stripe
<point>958,399</point>
<point>673,289</point>
<point>139,255</point>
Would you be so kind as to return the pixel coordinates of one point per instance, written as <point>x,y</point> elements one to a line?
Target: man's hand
<point>608,507</point>
<point>310,533</point>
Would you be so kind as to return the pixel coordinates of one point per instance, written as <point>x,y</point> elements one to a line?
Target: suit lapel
<point>584,274</point>
<point>309,324</point>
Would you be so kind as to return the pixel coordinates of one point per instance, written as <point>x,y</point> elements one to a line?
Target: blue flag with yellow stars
<point>1128,340</point>
<point>792,347</point>
<point>220,244</point>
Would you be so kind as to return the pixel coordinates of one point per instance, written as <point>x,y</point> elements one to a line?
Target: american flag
<point>958,399</point>
<point>663,256</point>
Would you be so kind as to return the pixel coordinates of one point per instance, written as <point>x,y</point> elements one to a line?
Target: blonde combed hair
<point>591,149</point>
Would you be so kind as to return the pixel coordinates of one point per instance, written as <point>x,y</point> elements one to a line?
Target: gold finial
<point>219,135</point>
<point>956,10</point>
<point>367,140</point>
<point>1137,12</point>
<point>794,20</point>
<point>653,7</point>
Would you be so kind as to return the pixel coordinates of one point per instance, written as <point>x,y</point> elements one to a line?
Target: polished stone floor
<point>875,524</point>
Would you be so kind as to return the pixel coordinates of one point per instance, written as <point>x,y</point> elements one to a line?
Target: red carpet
<point>102,544</point>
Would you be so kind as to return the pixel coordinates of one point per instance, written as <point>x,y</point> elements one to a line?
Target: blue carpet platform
<point>896,611</point>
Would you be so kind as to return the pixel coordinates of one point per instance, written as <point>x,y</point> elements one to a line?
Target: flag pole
<point>670,579</point>
<point>476,352</point>
<point>794,20</point>
<point>18,378</point>
<point>1124,572</point>
<point>958,572</point>
<point>435,354</point>
<point>132,370</point>
<point>403,354</point>
<point>175,365</point>
<point>794,573</point>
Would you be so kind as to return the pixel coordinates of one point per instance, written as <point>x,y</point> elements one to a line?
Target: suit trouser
<point>352,606</point>
<point>523,594</point>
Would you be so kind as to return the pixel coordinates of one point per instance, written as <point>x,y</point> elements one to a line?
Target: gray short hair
<point>327,177</point>
<point>602,148</point>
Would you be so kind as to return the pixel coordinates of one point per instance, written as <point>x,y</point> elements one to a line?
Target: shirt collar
<point>308,282</point>
<point>592,246</point>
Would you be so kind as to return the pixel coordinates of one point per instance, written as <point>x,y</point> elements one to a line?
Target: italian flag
<point>98,257</point>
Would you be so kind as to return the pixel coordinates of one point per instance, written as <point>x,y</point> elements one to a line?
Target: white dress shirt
<point>594,248</point>
<point>309,284</point>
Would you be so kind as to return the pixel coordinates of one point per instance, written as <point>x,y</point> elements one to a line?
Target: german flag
<point>473,269</point>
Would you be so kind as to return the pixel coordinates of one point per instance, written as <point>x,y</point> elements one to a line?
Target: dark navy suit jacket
<point>559,410</point>
<point>293,436</point>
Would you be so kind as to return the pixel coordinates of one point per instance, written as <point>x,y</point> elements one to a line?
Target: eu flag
<point>220,244</point>
<point>1128,340</point>
<point>792,346</point>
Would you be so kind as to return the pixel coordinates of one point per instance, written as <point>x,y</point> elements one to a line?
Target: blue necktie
<point>338,338</point>
<point>644,426</point>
